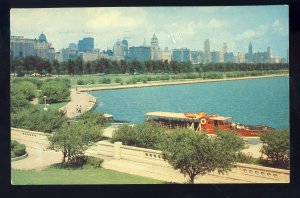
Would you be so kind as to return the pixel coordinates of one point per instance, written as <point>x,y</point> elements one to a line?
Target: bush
<point>276,146</point>
<point>65,81</point>
<point>245,158</point>
<point>118,80</point>
<point>94,162</point>
<point>27,89</point>
<point>56,91</point>
<point>19,150</point>
<point>80,82</point>
<point>34,119</point>
<point>38,83</point>
<point>93,118</point>
<point>17,100</point>
<point>105,81</point>
<point>146,135</point>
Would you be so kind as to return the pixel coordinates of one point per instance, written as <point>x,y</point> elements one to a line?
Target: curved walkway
<point>82,100</point>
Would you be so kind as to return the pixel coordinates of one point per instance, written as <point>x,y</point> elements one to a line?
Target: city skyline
<point>263,26</point>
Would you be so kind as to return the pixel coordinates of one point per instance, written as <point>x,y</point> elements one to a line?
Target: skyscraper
<point>249,55</point>
<point>86,44</point>
<point>124,45</point>
<point>155,55</point>
<point>269,54</point>
<point>118,49</point>
<point>181,55</point>
<point>21,47</point>
<point>207,55</point>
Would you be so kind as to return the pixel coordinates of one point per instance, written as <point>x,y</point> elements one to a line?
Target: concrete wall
<point>242,172</point>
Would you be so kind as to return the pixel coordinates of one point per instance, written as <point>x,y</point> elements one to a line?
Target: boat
<point>205,123</point>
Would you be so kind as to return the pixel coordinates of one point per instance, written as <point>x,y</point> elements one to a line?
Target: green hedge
<point>17,149</point>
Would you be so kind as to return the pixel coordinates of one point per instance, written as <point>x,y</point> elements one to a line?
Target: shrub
<point>27,89</point>
<point>17,100</point>
<point>55,91</point>
<point>118,80</point>
<point>245,158</point>
<point>34,119</point>
<point>146,135</point>
<point>19,149</point>
<point>105,81</point>
<point>94,162</point>
<point>80,82</point>
<point>65,81</point>
<point>93,118</point>
<point>35,81</point>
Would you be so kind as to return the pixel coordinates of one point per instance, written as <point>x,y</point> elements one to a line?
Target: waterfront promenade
<point>79,100</point>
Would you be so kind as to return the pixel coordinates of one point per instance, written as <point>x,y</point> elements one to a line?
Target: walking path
<point>79,100</point>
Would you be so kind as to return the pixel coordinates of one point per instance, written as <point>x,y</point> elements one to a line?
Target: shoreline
<point>174,83</point>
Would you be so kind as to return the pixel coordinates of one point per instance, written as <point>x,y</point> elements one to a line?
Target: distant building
<point>118,49</point>
<point>229,57</point>
<point>207,54</point>
<point>21,47</point>
<point>73,46</point>
<point>249,55</point>
<point>165,54</point>
<point>240,58</point>
<point>181,55</point>
<point>86,44</point>
<point>196,57</point>
<point>155,49</point>
<point>59,57</point>
<point>124,45</point>
<point>140,53</point>
<point>215,56</point>
<point>69,54</point>
<point>88,56</point>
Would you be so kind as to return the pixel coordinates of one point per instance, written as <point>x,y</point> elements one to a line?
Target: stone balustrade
<point>242,172</point>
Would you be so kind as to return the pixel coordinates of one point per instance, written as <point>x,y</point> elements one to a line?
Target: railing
<point>242,172</point>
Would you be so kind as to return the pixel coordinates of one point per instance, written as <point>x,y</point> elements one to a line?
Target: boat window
<point>210,122</point>
<point>221,122</point>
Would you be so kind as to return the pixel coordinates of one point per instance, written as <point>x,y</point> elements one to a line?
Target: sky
<point>175,27</point>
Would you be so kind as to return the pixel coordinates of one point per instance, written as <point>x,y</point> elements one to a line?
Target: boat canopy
<point>171,115</point>
<point>219,118</point>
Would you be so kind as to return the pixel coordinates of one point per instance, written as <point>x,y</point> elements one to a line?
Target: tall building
<point>196,57</point>
<point>249,55</point>
<point>207,55</point>
<point>240,58</point>
<point>215,56</point>
<point>224,49</point>
<point>73,46</point>
<point>228,57</point>
<point>181,55</point>
<point>118,49</point>
<point>21,47</point>
<point>140,53</point>
<point>86,44</point>
<point>155,49</point>
<point>43,49</point>
<point>124,45</point>
<point>269,54</point>
<point>165,54</point>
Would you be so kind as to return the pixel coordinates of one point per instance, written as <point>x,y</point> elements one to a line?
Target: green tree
<point>56,91</point>
<point>95,118</point>
<point>147,135</point>
<point>193,153</point>
<point>73,139</point>
<point>276,146</point>
<point>26,88</point>
<point>56,66</point>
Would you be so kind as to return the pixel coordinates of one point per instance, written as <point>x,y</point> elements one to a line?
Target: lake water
<point>253,101</point>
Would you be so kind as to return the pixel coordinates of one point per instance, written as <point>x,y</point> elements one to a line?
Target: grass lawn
<point>54,106</point>
<point>77,176</point>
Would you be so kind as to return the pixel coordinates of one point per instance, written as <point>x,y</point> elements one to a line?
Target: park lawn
<point>77,176</point>
<point>53,106</point>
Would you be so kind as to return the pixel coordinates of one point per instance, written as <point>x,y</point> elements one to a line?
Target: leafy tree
<point>56,91</point>
<point>73,139</point>
<point>32,118</point>
<point>17,100</point>
<point>193,153</point>
<point>56,66</point>
<point>276,146</point>
<point>27,89</point>
<point>146,135</point>
<point>93,118</point>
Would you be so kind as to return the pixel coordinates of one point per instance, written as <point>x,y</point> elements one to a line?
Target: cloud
<point>252,33</point>
<point>278,28</point>
<point>215,23</point>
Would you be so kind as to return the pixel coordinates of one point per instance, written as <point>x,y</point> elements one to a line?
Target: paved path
<point>82,100</point>
<point>37,159</point>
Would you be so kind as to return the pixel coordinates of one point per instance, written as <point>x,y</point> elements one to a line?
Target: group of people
<point>78,109</point>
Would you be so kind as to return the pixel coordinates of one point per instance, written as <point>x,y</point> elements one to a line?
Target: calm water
<point>255,101</point>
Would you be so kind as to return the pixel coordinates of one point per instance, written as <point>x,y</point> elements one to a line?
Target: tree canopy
<point>276,146</point>
<point>193,153</point>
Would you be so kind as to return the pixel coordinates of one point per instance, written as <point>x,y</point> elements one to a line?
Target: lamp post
<point>45,99</point>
